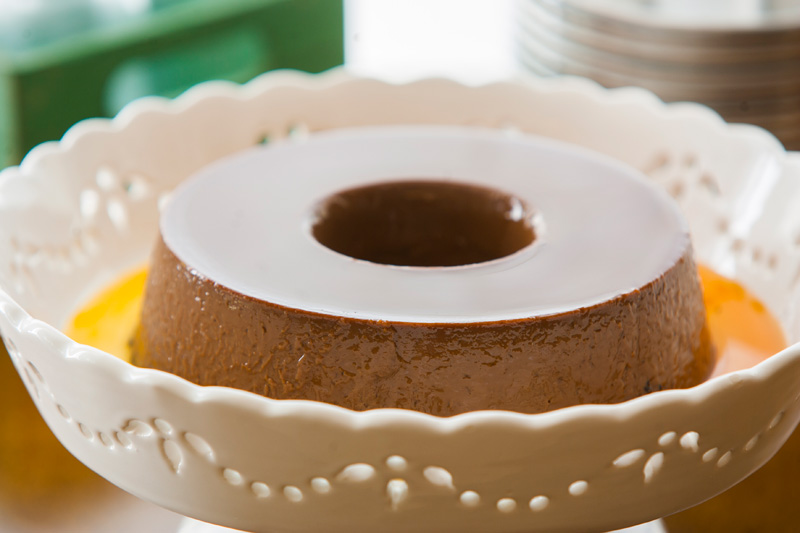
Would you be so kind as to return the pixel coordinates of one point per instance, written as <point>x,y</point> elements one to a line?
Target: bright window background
<point>401,40</point>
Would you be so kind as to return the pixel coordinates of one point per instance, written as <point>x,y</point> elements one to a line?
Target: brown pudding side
<point>651,339</point>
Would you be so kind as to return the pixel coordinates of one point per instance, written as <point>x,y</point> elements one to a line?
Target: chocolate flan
<point>438,269</point>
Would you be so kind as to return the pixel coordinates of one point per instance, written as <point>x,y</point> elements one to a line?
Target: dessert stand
<point>79,213</point>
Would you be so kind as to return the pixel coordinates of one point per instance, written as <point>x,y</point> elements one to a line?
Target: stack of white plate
<point>740,57</point>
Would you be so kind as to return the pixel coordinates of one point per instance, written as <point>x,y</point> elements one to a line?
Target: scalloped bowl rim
<point>197,394</point>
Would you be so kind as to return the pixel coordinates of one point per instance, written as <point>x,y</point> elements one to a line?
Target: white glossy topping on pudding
<point>246,222</point>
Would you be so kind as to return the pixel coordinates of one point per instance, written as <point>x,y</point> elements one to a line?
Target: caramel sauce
<point>743,330</point>
<point>107,322</point>
<point>745,333</point>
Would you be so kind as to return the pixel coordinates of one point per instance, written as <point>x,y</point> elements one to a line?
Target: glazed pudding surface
<point>493,273</point>
<point>247,223</point>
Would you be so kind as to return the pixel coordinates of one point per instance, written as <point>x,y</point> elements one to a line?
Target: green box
<point>76,66</point>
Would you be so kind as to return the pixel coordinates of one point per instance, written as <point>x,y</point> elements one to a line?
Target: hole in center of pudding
<point>424,223</point>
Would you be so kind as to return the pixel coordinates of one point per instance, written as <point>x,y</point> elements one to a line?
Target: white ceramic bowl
<point>78,213</point>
